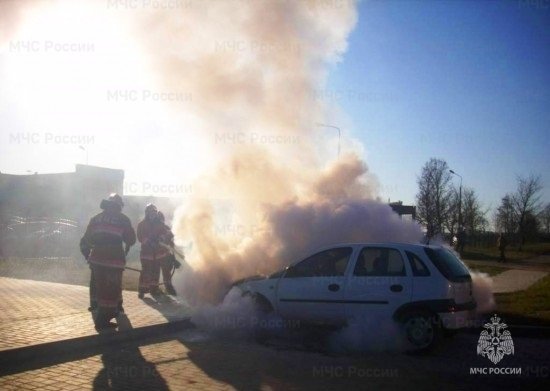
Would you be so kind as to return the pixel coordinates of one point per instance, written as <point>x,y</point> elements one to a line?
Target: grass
<point>531,306</point>
<point>529,250</point>
<point>65,271</point>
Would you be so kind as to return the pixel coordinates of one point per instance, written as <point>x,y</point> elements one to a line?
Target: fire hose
<point>86,247</point>
<point>176,264</point>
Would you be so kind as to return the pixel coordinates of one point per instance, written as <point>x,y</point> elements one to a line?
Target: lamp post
<point>339,134</point>
<point>85,150</point>
<point>459,200</point>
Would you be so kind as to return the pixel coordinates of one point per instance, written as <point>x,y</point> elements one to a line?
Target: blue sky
<point>465,81</point>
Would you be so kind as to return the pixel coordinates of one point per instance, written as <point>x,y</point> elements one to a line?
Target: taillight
<point>452,290</point>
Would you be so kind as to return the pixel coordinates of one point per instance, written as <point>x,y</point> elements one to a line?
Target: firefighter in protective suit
<point>149,233</point>
<point>105,244</point>
<point>167,263</point>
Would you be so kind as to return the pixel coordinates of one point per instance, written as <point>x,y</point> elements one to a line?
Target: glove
<point>85,248</point>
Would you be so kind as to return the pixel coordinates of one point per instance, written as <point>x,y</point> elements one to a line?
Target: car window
<point>326,263</point>
<point>418,267</point>
<point>379,261</point>
<point>449,265</point>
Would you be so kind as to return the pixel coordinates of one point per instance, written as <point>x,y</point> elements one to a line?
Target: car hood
<point>251,278</point>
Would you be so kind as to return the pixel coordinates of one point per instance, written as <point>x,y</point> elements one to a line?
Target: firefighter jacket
<point>102,244</point>
<point>151,235</point>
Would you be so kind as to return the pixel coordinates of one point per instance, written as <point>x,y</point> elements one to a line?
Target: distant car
<point>425,288</point>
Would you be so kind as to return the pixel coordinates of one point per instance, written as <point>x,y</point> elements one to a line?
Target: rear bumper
<point>451,314</point>
<point>458,316</point>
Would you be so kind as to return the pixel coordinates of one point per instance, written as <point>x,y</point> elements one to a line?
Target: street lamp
<point>339,134</point>
<point>86,150</point>
<point>459,200</point>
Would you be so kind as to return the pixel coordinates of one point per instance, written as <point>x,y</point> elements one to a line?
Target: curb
<point>34,356</point>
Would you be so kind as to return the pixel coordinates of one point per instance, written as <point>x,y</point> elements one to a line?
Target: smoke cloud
<point>336,210</point>
<point>252,68</point>
<point>482,290</point>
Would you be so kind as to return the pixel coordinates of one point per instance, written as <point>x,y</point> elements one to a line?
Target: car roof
<point>380,244</point>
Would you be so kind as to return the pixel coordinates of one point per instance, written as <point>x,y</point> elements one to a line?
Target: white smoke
<point>234,315</point>
<point>336,210</point>
<point>371,334</point>
<point>254,69</point>
<point>482,286</point>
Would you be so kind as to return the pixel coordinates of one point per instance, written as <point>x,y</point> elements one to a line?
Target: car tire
<point>261,304</point>
<point>263,309</point>
<point>423,332</point>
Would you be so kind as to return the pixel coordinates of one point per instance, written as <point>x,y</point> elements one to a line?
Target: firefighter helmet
<point>150,208</point>
<point>116,199</point>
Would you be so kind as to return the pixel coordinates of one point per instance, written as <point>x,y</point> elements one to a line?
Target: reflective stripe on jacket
<point>106,234</point>
<point>150,234</point>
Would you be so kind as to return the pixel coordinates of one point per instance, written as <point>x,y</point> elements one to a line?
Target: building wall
<point>65,195</point>
<point>75,195</point>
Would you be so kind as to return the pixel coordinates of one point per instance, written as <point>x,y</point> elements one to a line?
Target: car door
<point>313,289</point>
<point>379,283</point>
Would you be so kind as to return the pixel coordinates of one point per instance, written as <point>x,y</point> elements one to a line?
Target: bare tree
<point>526,201</point>
<point>544,218</point>
<point>472,212</point>
<point>433,198</point>
<point>531,227</point>
<point>451,222</point>
<point>505,218</point>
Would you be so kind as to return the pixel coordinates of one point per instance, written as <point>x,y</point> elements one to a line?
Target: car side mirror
<point>288,269</point>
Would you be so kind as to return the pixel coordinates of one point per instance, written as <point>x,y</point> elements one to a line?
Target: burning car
<point>426,289</point>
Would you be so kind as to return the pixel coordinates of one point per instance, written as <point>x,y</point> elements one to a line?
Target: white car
<point>425,288</point>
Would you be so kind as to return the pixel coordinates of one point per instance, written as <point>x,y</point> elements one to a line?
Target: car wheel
<point>262,310</point>
<point>261,304</point>
<point>423,332</point>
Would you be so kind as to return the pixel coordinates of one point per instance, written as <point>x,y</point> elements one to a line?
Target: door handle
<point>396,288</point>
<point>334,287</point>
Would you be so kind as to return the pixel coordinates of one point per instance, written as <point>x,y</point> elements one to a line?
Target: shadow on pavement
<point>241,368</point>
<point>123,322</point>
<point>48,354</point>
<point>125,368</point>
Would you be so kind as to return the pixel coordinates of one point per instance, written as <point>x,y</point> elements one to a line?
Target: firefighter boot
<point>170,289</point>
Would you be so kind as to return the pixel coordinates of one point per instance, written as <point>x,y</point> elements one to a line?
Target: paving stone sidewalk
<point>189,361</point>
<point>34,312</point>
<point>521,274</point>
<point>516,280</point>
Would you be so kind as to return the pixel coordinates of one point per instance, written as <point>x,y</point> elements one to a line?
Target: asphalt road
<point>298,366</point>
<point>193,359</point>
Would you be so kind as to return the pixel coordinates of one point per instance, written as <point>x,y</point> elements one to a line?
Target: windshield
<point>277,274</point>
<point>448,264</point>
